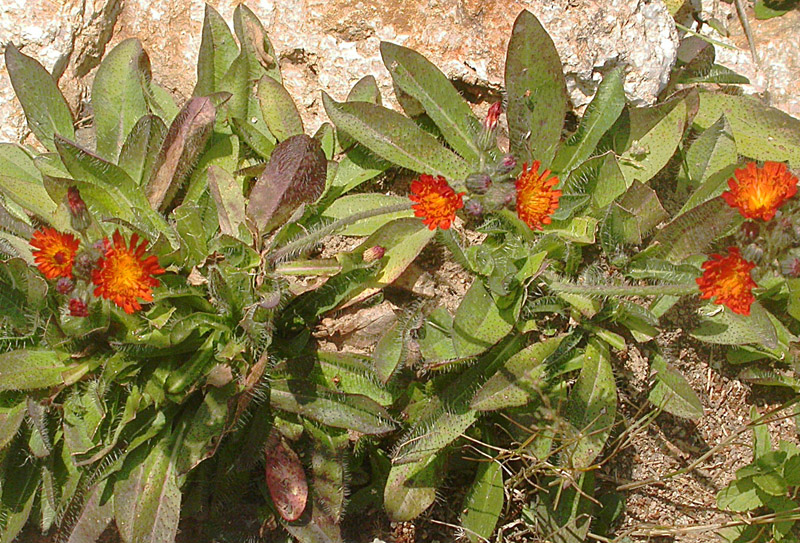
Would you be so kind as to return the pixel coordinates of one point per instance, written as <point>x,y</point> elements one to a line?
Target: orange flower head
<point>123,274</point>
<point>436,201</point>
<point>728,278</point>
<point>55,252</point>
<point>758,192</point>
<point>536,199</point>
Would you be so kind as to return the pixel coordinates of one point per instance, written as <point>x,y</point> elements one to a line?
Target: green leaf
<point>711,160</point>
<point>257,50</point>
<point>672,392</point>
<point>761,132</point>
<point>351,374</point>
<point>205,428</point>
<point>411,488</point>
<point>592,406</point>
<point>693,231</point>
<point>10,420</point>
<point>356,168</point>
<point>599,116</point>
<point>279,110</point>
<point>435,338</point>
<point>537,91</point>
<point>763,9</point>
<point>395,138</point>
<point>21,181</point>
<point>349,411</point>
<point>484,502</point>
<point>479,323</point>
<point>390,352</point>
<point>28,369</point>
<point>261,142</point>
<point>230,202</point>
<point>140,151</point>
<point>403,240</point>
<point>418,77</point>
<point>636,214</point>
<point>119,96</point>
<point>147,503</point>
<point>93,517</point>
<point>655,143</point>
<point>722,326</point>
<point>348,205</point>
<point>565,513</point>
<point>21,480</point>
<point>217,51</point>
<point>365,90</point>
<point>519,381</point>
<point>45,108</point>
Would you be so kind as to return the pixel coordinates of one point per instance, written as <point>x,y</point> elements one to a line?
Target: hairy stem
<point>311,238</point>
<point>626,290</point>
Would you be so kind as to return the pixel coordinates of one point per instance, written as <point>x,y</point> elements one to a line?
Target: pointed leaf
<point>349,411</point>
<point>93,518</point>
<point>411,488</point>
<point>217,51</point>
<point>148,502</point>
<point>205,429</point>
<point>348,205</point>
<point>295,174</point>
<point>183,144</point>
<point>119,96</point>
<point>711,160</point>
<point>256,47</point>
<point>261,142</point>
<point>592,406</point>
<point>599,116</point>
<point>418,77</point>
<point>693,231</point>
<point>22,182</point>
<point>672,392</point>
<point>139,152</point>
<point>228,197</point>
<point>484,502</point>
<point>279,110</point>
<point>519,381</point>
<point>479,323</point>
<point>656,144</point>
<point>45,108</point>
<point>27,369</point>
<point>365,90</point>
<point>537,91</point>
<point>722,326</point>
<point>395,138</point>
<point>761,132</point>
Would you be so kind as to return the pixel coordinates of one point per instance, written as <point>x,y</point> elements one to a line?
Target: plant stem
<point>627,290</point>
<point>311,238</point>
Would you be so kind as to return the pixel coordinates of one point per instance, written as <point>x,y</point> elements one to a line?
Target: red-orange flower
<point>536,199</point>
<point>436,201</point>
<point>122,274</point>
<point>759,192</point>
<point>728,278</point>
<point>55,252</point>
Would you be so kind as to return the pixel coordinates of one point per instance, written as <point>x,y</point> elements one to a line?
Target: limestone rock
<point>329,45</point>
<point>777,75</point>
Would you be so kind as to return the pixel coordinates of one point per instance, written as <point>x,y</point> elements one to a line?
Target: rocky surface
<point>329,45</point>
<point>776,76</point>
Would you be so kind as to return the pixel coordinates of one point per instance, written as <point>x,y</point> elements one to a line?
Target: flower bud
<point>79,213</point>
<point>373,253</point>
<point>750,230</point>
<point>65,285</point>
<point>85,262</point>
<point>753,253</point>
<point>791,267</point>
<point>478,183</point>
<point>506,164</point>
<point>473,208</point>
<point>78,308</point>
<point>492,116</point>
